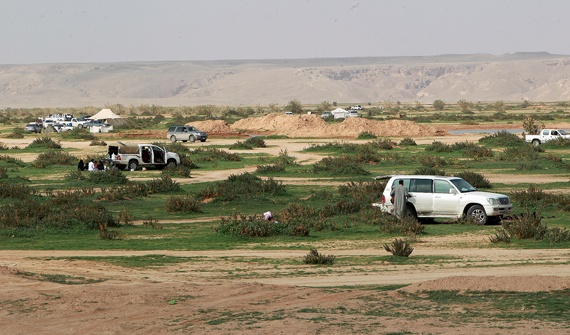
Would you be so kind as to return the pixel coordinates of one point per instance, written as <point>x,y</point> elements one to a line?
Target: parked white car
<point>445,197</point>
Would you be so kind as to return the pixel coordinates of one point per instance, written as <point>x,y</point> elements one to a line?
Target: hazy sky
<point>55,31</point>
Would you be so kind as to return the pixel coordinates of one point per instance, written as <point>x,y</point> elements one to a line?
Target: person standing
<point>80,165</point>
<point>400,194</point>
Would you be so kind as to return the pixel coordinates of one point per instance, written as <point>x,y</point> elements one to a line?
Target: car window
<point>545,132</point>
<point>420,185</point>
<point>442,186</point>
<point>406,182</point>
<point>463,186</point>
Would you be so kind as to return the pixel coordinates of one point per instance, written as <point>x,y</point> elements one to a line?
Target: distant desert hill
<point>477,77</point>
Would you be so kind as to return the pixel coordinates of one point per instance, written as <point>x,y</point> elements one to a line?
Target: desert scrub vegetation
<point>44,143</point>
<point>242,186</point>
<point>110,176</point>
<point>407,142</point>
<point>529,226</point>
<point>249,144</point>
<point>399,247</point>
<point>366,135</point>
<point>502,139</point>
<point>81,134</point>
<point>208,154</point>
<point>53,157</point>
<point>131,190</point>
<point>185,203</point>
<point>314,257</point>
<point>475,179</point>
<point>339,166</point>
<point>239,225</point>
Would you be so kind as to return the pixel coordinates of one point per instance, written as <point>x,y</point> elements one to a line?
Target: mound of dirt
<point>213,126</point>
<point>492,283</point>
<point>310,125</point>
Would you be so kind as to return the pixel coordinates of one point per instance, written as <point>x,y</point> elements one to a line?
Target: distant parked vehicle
<point>132,156</point>
<point>326,115</point>
<point>185,134</point>
<point>33,128</point>
<point>546,135</point>
<point>353,114</point>
<point>356,108</point>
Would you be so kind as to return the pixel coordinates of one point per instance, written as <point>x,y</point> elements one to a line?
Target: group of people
<point>92,165</point>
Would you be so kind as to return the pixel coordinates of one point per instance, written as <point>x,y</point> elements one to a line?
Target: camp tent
<point>339,113</point>
<point>109,117</point>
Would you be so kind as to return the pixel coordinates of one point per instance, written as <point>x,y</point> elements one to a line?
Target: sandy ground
<point>247,291</point>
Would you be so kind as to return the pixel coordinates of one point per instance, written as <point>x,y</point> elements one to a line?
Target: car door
<point>421,190</point>
<point>445,198</point>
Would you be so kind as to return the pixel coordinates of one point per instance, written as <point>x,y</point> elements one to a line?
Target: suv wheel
<point>173,139</point>
<point>477,213</point>
<point>133,165</point>
<point>410,212</point>
<point>192,138</point>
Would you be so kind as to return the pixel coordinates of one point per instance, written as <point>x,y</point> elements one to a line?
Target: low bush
<point>180,170</point>
<point>399,247</point>
<point>339,166</point>
<point>53,157</point>
<point>213,154</point>
<point>429,170</point>
<point>437,146</point>
<point>266,169</point>
<point>502,139</point>
<point>15,190</point>
<point>408,141</point>
<point>313,257</point>
<point>475,179</point>
<point>556,235</point>
<point>184,204</point>
<point>239,225</point>
<point>366,135</point>
<point>556,143</point>
<point>478,152</point>
<point>81,134</point>
<point>242,186</point>
<point>525,226</point>
<point>99,143</point>
<point>44,142</point>
<point>432,161</point>
<point>283,159</point>
<point>250,143</point>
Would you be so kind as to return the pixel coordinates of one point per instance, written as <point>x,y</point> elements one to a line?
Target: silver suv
<point>185,134</point>
<point>446,197</point>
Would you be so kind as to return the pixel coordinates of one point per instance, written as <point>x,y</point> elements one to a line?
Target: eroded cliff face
<point>536,77</point>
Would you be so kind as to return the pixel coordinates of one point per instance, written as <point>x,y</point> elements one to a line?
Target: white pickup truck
<point>546,135</point>
<point>131,156</point>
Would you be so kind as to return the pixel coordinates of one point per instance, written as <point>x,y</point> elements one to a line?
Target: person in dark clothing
<point>100,166</point>
<point>81,165</point>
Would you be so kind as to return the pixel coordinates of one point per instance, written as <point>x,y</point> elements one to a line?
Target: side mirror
<point>452,191</point>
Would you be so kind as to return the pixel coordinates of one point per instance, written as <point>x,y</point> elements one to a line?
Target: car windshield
<point>462,185</point>
<point>561,132</point>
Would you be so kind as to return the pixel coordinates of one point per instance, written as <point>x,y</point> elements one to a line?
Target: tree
<point>294,106</point>
<point>500,106</point>
<point>464,105</point>
<point>438,105</point>
<point>324,106</point>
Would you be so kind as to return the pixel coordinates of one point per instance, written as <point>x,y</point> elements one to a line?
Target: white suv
<point>445,197</point>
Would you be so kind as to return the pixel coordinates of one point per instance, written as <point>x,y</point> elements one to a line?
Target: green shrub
<point>384,144</point>
<point>399,247</point>
<point>366,135</point>
<point>81,134</point>
<point>242,186</point>
<point>525,226</point>
<point>408,141</point>
<point>339,166</point>
<point>429,171</point>
<point>432,161</point>
<point>527,153</point>
<point>15,190</point>
<point>184,204</point>
<point>437,146</point>
<point>532,198</point>
<point>98,143</point>
<point>283,159</point>
<point>213,154</point>
<point>250,143</point>
<point>478,152</point>
<point>53,157</point>
<point>502,139</point>
<point>556,143</point>
<point>556,235</point>
<point>475,179</point>
<point>111,176</point>
<point>313,257</point>
<point>266,169</point>
<point>239,225</point>
<point>44,142</point>
<point>181,170</point>
<point>500,236</point>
